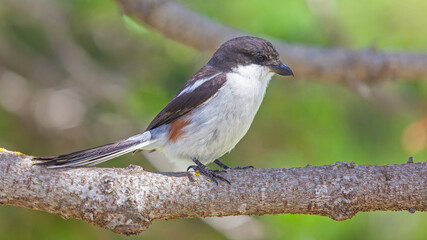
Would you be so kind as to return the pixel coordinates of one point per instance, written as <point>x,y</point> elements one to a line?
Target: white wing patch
<point>197,84</point>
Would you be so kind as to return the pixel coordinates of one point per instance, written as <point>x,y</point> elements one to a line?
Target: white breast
<point>219,125</point>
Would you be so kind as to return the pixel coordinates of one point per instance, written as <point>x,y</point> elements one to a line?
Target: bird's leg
<point>224,166</point>
<point>210,174</point>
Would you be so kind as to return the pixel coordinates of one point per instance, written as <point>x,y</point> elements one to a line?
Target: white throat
<point>254,71</point>
<point>249,83</point>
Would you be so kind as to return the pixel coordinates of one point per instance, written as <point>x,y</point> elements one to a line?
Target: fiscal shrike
<point>209,115</point>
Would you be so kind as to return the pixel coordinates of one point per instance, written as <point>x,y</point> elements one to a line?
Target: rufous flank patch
<point>176,130</point>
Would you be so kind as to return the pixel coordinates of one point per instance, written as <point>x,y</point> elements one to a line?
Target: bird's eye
<point>260,58</point>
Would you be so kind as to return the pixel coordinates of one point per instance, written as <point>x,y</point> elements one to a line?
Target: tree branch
<point>335,65</point>
<point>127,200</point>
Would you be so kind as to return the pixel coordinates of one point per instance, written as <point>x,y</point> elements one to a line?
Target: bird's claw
<point>242,168</point>
<point>225,166</point>
<point>212,175</point>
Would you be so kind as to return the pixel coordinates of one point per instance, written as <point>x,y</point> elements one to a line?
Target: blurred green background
<point>77,74</point>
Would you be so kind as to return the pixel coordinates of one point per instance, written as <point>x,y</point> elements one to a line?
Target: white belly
<point>219,125</point>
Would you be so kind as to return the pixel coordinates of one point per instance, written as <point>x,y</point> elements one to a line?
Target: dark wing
<point>186,101</point>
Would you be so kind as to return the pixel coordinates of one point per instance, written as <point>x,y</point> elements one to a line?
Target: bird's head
<point>246,51</point>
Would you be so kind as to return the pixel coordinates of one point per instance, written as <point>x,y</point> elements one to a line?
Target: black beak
<point>282,69</point>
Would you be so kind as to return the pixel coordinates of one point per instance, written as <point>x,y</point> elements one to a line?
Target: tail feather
<point>93,156</point>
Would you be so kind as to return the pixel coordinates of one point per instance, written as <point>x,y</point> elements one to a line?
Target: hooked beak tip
<point>282,69</point>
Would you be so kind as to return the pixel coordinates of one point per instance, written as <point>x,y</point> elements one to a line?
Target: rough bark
<point>334,65</point>
<point>127,200</point>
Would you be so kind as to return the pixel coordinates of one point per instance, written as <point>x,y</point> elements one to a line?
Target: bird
<point>208,116</point>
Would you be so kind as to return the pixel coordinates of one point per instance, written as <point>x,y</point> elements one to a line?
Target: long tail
<point>93,156</point>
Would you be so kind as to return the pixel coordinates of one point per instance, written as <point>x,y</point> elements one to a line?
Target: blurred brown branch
<point>336,65</point>
<point>127,200</point>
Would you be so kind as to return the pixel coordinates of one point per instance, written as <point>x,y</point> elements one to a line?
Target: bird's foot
<point>212,175</point>
<point>224,166</point>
